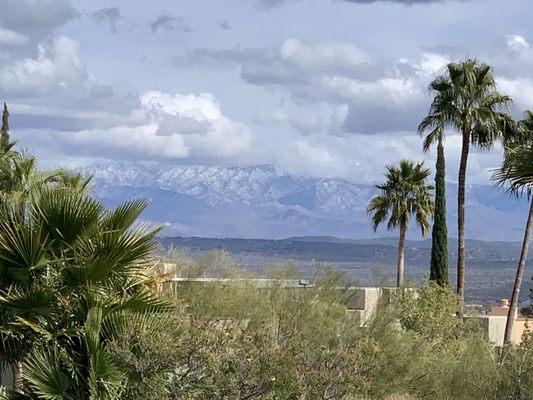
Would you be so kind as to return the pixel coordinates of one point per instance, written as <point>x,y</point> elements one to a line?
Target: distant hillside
<point>262,202</point>
<point>490,265</point>
<point>379,250</point>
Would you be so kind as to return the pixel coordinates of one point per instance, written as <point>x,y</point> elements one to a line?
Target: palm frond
<point>66,215</point>
<point>123,217</point>
<point>23,248</point>
<point>404,193</point>
<point>105,379</point>
<point>516,171</point>
<point>45,375</point>
<point>31,301</point>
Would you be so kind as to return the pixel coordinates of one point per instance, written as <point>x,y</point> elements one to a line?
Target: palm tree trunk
<point>511,315</point>
<point>461,219</point>
<point>401,257</point>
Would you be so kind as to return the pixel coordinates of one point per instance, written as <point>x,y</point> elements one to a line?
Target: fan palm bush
<point>404,193</point>
<point>70,269</point>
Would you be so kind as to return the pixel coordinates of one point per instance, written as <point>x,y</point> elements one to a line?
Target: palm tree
<point>439,234</point>
<point>466,99</point>
<point>517,171</point>
<point>404,193</point>
<point>71,272</point>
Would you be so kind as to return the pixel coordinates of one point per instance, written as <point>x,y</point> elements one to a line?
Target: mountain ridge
<point>263,201</point>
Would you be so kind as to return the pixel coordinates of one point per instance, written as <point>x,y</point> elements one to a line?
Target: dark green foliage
<point>4,130</point>
<point>439,234</point>
<point>404,193</point>
<point>70,268</point>
<point>527,311</point>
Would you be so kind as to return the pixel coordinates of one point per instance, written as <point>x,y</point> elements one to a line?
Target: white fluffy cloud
<point>520,90</point>
<point>9,38</point>
<point>198,122</point>
<point>215,138</point>
<point>513,65</point>
<point>26,23</point>
<point>389,93</point>
<point>517,43</point>
<point>53,91</point>
<point>57,67</point>
<point>323,56</point>
<point>340,75</point>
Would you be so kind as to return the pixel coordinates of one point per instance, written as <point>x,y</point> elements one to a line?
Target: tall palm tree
<point>517,171</point>
<point>439,233</point>
<point>404,193</point>
<point>466,99</point>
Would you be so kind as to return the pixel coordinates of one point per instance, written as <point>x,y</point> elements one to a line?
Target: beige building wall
<point>521,324</point>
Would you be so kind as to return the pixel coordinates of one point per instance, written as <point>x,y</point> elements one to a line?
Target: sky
<point>328,88</point>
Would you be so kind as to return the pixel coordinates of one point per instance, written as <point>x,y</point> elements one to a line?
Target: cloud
<point>225,25</point>
<point>169,22</point>
<point>35,15</point>
<point>406,2</point>
<point>10,38</point>
<point>517,43</point>
<point>58,67</point>
<point>77,115</point>
<point>375,95</point>
<point>270,4</point>
<point>24,24</point>
<point>109,16</point>
<point>54,90</point>
<point>519,89</point>
<point>271,65</point>
<point>361,158</point>
<point>512,61</point>
<point>308,119</point>
<point>174,127</point>
<point>198,119</point>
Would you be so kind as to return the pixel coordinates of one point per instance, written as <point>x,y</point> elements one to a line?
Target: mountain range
<point>264,202</point>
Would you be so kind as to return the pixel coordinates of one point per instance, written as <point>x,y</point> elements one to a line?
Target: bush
<point>237,340</point>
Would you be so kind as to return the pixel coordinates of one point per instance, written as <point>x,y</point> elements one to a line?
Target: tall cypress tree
<point>439,245</point>
<point>4,131</point>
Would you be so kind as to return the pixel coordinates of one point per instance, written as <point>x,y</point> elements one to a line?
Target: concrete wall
<point>493,326</point>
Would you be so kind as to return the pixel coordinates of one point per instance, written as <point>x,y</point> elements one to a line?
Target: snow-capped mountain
<point>262,201</point>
